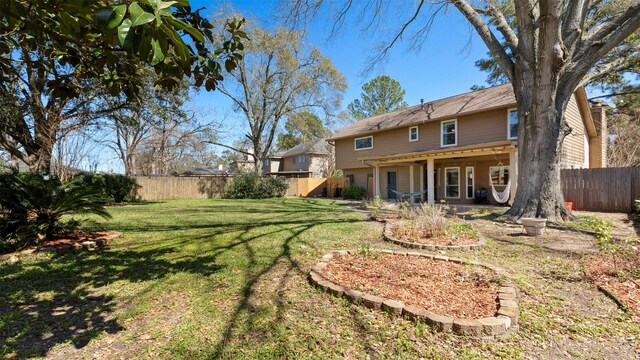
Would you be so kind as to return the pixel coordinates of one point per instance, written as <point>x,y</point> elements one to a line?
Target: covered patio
<point>453,174</point>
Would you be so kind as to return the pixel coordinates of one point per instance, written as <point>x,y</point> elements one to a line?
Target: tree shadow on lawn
<point>50,303</point>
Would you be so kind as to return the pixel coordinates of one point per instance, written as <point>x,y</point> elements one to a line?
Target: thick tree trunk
<point>540,149</point>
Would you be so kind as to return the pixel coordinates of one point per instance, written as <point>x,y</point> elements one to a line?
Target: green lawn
<point>227,279</point>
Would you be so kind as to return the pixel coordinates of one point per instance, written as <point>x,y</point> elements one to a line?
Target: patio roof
<point>443,153</point>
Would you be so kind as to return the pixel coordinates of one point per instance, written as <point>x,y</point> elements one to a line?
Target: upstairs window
<point>300,159</point>
<point>512,126</point>
<point>413,133</point>
<point>449,133</point>
<point>364,143</point>
<point>266,162</point>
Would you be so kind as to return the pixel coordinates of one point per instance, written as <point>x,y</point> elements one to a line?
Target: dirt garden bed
<point>73,241</point>
<point>620,280</point>
<point>468,239</point>
<point>468,298</point>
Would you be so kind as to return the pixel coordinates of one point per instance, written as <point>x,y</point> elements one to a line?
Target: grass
<point>227,279</point>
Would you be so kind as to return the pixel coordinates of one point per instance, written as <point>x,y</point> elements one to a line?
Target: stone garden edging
<point>388,236</point>
<point>502,324</point>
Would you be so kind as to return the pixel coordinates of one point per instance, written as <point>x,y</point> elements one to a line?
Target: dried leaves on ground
<point>461,291</point>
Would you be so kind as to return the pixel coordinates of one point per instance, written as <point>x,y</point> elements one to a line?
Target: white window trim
<point>473,182</point>
<point>446,184</point>
<point>455,121</point>
<point>355,141</point>
<point>509,137</point>
<point>417,133</point>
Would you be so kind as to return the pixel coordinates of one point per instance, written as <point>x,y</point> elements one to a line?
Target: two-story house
<point>451,147</point>
<point>310,159</point>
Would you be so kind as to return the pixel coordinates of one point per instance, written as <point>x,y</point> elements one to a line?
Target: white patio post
<point>376,180</point>
<point>411,182</point>
<point>422,182</point>
<point>431,198</point>
<point>513,173</point>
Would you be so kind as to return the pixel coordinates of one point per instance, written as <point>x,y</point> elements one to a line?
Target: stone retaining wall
<point>501,324</point>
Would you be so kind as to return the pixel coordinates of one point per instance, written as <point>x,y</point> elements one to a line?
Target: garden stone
<point>324,285</point>
<point>89,245</point>
<point>354,296</point>
<point>510,313</point>
<point>393,307</point>
<point>508,304</point>
<point>440,322</point>
<point>372,301</point>
<point>467,327</point>
<point>493,326</point>
<point>507,290</point>
<point>413,312</point>
<point>336,290</point>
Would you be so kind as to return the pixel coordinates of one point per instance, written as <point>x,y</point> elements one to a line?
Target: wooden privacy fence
<point>181,187</point>
<point>203,187</point>
<point>606,189</point>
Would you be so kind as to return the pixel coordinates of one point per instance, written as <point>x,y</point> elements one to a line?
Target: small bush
<point>115,188</point>
<point>354,192</point>
<point>120,188</point>
<point>253,186</point>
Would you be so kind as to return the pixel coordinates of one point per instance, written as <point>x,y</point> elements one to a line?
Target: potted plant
<point>534,226</point>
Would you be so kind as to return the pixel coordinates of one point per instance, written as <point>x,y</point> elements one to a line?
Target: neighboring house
<point>310,159</point>
<point>450,147</point>
<point>242,166</point>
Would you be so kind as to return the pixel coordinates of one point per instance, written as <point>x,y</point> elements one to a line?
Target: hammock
<point>407,194</point>
<point>501,197</point>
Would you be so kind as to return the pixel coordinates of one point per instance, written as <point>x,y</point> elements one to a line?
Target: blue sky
<point>443,67</point>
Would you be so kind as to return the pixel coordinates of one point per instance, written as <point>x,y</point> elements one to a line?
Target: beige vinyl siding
<point>402,179</point>
<point>573,147</point>
<point>359,176</point>
<point>318,165</point>
<point>474,129</point>
<point>290,166</point>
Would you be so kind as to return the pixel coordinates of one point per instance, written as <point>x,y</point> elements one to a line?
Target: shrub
<point>32,206</point>
<point>253,186</point>
<point>120,188</point>
<point>115,188</point>
<point>354,192</point>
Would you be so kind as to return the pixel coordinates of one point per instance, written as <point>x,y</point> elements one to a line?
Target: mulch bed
<point>441,287</point>
<point>442,240</point>
<point>68,242</point>
<point>626,289</point>
<point>78,237</point>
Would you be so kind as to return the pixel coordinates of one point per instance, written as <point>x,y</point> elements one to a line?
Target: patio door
<point>391,183</point>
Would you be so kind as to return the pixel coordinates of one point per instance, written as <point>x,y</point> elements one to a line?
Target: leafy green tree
<point>279,75</point>
<point>623,122</point>
<point>56,56</point>
<point>381,95</point>
<point>301,127</point>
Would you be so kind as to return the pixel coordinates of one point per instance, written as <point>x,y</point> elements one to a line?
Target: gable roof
<point>447,108</point>
<point>317,146</point>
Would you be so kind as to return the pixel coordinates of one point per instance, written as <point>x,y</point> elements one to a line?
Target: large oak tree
<point>56,56</point>
<point>553,48</point>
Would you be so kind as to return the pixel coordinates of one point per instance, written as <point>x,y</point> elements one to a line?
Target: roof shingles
<point>451,107</point>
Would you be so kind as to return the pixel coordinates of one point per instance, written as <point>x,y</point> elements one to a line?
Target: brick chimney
<point>598,145</point>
